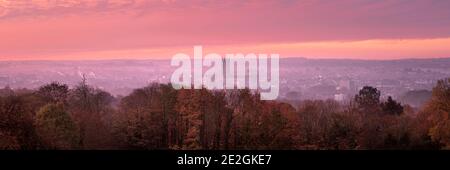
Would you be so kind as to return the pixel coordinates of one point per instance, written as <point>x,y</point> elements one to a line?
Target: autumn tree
<point>56,128</point>
<point>220,117</point>
<point>168,98</point>
<point>191,107</point>
<point>325,124</point>
<point>16,123</point>
<point>343,131</point>
<point>277,126</point>
<point>438,112</point>
<point>160,117</point>
<point>91,110</point>
<point>246,119</point>
<point>53,92</point>
<point>145,118</point>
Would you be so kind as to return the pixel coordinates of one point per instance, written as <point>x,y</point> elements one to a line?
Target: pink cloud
<point>38,27</point>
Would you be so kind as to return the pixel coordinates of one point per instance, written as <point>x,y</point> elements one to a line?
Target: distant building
<point>339,97</point>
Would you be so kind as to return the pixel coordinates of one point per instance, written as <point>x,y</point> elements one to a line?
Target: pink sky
<point>141,29</point>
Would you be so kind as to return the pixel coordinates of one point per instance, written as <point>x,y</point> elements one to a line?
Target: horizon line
<point>163,59</point>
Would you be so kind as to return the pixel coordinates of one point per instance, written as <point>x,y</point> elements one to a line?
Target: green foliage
<point>56,128</point>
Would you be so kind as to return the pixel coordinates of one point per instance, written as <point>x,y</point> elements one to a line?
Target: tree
<point>16,123</point>
<point>438,111</point>
<point>145,116</point>
<point>277,126</point>
<point>91,110</point>
<point>246,119</point>
<point>160,117</point>
<point>168,99</point>
<point>221,119</point>
<point>392,107</point>
<point>190,122</point>
<point>53,92</point>
<point>368,100</point>
<point>325,124</point>
<point>56,128</point>
<point>342,132</point>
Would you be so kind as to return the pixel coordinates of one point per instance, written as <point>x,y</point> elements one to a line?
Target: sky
<point>158,29</point>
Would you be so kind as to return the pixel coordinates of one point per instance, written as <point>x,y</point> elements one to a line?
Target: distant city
<point>410,80</point>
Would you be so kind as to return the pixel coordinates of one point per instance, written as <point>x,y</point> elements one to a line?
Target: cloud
<point>50,8</point>
<point>30,27</point>
<point>375,49</point>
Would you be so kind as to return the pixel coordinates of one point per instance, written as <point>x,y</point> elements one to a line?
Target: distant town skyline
<point>158,29</point>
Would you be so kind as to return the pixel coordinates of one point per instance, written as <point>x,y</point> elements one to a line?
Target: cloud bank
<point>48,29</point>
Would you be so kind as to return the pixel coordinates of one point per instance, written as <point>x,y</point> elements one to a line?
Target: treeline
<point>160,117</point>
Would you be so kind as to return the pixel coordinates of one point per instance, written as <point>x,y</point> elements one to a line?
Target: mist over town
<point>408,80</point>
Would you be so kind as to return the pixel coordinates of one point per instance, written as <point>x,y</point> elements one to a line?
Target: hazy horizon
<point>300,78</point>
<point>167,59</point>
